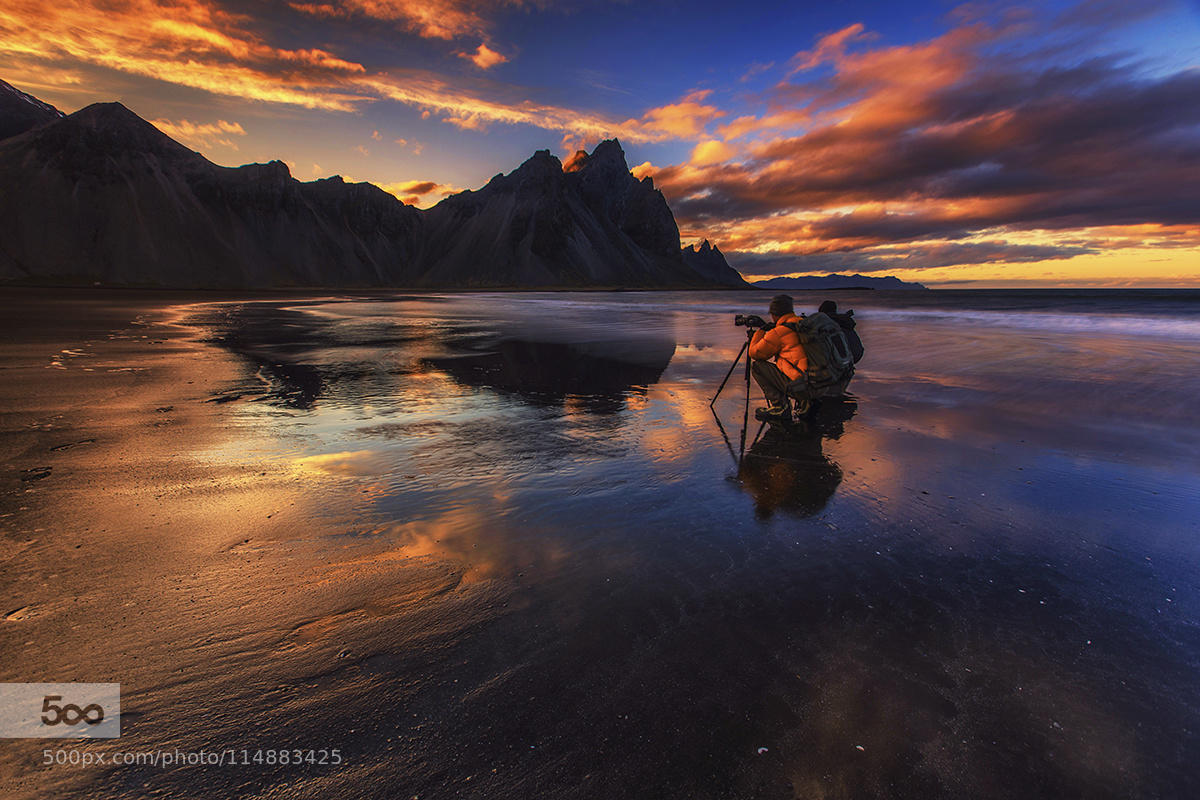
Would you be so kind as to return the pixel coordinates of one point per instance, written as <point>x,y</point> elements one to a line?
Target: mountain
<point>710,262</point>
<point>102,196</point>
<point>836,282</point>
<point>20,112</point>
<point>592,224</point>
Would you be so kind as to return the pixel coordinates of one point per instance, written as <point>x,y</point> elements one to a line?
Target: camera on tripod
<point>752,321</point>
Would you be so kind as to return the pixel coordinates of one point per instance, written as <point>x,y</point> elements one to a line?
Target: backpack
<point>830,359</point>
<point>846,321</point>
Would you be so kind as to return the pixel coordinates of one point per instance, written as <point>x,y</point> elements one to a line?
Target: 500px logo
<point>60,710</point>
<point>71,714</point>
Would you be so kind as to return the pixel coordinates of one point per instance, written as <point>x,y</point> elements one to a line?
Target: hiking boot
<point>773,413</point>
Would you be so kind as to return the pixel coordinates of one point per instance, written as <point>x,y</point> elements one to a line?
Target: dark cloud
<point>422,187</point>
<point>993,137</point>
<point>1109,13</point>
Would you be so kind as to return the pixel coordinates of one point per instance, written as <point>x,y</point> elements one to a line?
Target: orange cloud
<point>829,47</point>
<point>643,170</point>
<point>484,57</point>
<point>201,135</point>
<point>712,151</point>
<point>686,119</point>
<point>782,120</point>
<point>431,19</point>
<point>198,44</point>
<point>575,161</point>
<point>470,111</point>
<point>419,192</point>
<point>191,43</point>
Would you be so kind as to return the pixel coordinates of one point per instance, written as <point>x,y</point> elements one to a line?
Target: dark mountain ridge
<point>835,281</point>
<point>102,196</point>
<point>710,262</point>
<point>541,225</point>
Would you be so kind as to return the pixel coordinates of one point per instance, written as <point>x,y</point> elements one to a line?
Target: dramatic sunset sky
<point>960,145</point>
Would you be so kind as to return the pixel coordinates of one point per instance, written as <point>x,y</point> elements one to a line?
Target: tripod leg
<point>732,367</point>
<point>746,411</point>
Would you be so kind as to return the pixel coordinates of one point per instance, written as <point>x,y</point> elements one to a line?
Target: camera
<point>752,321</point>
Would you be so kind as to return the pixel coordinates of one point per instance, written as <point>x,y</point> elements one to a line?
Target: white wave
<point>1161,327</point>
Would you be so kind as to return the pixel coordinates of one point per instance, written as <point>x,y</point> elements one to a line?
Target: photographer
<point>781,343</point>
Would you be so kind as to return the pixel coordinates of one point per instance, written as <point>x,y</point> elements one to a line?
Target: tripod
<point>733,366</point>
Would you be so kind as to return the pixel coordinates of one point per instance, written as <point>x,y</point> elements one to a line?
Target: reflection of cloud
<point>350,462</point>
<point>469,538</point>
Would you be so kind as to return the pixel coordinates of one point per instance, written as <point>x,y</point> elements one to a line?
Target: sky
<point>960,145</point>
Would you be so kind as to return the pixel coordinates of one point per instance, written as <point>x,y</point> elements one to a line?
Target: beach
<point>498,545</point>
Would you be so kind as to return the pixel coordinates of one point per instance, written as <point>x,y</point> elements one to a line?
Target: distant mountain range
<point>813,282</point>
<point>102,196</point>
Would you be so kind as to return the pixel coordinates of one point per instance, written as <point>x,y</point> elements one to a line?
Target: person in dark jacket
<point>847,324</point>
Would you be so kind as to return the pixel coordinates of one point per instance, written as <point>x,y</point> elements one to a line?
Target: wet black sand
<point>496,546</point>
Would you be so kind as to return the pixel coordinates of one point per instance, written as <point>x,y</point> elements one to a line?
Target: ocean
<point>500,545</point>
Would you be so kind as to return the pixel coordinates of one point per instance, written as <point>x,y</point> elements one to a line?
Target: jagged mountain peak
<point>609,151</point>
<point>542,168</point>
<point>20,112</point>
<point>707,259</point>
<point>7,89</point>
<point>607,155</point>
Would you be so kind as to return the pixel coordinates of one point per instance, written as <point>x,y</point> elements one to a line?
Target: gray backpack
<point>830,359</point>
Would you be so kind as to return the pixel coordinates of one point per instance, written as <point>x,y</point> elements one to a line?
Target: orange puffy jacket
<point>783,344</point>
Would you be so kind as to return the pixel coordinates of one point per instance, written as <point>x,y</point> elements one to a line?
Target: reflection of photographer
<point>787,470</point>
<point>781,343</point>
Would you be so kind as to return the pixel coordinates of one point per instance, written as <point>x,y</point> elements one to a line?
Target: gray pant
<point>771,380</point>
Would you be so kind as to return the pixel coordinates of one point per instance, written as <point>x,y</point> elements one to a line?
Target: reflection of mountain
<point>597,375</point>
<point>297,357</point>
<point>787,470</point>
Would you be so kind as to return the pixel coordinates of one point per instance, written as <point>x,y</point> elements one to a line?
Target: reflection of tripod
<point>746,411</point>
